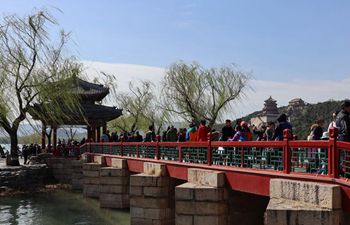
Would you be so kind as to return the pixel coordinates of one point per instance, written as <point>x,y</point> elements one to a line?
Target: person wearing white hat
<point>325,136</point>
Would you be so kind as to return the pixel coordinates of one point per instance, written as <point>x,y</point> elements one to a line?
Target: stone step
<point>91,166</point>
<point>113,172</point>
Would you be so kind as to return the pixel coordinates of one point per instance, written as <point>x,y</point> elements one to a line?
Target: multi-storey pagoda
<point>90,114</point>
<point>270,107</point>
<point>268,114</point>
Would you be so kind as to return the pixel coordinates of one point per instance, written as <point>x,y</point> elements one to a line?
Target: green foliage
<point>34,138</point>
<point>33,70</point>
<point>140,108</point>
<point>193,92</point>
<point>124,123</point>
<point>303,119</point>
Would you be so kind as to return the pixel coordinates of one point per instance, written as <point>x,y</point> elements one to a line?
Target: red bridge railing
<point>313,158</point>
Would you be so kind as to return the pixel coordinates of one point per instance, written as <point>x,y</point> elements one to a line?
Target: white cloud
<point>311,91</point>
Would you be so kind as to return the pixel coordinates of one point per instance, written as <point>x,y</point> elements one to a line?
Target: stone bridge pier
<point>152,196</point>
<point>203,199</point>
<point>114,185</point>
<point>304,203</point>
<point>110,184</point>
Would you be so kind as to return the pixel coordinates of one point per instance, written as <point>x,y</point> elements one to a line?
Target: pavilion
<point>91,114</point>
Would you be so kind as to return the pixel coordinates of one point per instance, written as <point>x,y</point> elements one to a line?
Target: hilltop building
<point>295,105</point>
<point>269,113</point>
<point>296,102</point>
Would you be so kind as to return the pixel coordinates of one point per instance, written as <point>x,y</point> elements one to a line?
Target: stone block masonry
<point>298,203</point>
<point>69,171</point>
<point>114,185</point>
<point>91,180</point>
<point>62,169</point>
<point>152,196</point>
<point>77,175</point>
<point>203,200</point>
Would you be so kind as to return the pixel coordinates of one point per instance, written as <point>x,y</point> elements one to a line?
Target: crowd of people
<point>240,130</point>
<point>30,150</point>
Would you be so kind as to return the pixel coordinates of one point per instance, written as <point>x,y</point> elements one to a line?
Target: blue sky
<point>276,40</point>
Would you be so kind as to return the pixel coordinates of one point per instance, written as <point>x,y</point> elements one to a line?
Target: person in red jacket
<point>203,131</point>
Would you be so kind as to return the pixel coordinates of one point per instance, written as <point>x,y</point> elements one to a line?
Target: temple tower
<point>268,114</point>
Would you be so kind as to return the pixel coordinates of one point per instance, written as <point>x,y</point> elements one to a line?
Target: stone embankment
<point>22,179</point>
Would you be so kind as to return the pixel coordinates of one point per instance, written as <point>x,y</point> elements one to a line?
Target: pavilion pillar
<point>89,136</point>
<point>105,128</point>
<point>93,133</point>
<point>43,133</point>
<point>54,141</point>
<point>98,133</point>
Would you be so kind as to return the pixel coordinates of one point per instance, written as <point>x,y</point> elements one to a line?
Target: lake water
<point>8,147</point>
<point>58,208</point>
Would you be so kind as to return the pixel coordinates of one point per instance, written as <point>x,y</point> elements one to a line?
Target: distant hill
<point>304,117</point>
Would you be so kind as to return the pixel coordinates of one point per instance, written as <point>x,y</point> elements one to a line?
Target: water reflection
<point>58,208</point>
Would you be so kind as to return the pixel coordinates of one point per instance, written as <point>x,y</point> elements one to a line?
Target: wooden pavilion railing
<point>317,158</point>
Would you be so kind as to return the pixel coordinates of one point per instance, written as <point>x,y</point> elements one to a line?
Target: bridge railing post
<point>121,147</point>
<point>333,154</point>
<point>209,153</point>
<point>287,134</point>
<point>138,151</point>
<point>242,156</point>
<point>179,152</point>
<point>157,148</point>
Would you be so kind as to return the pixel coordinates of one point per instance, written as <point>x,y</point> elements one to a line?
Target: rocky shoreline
<point>44,174</point>
<point>24,179</point>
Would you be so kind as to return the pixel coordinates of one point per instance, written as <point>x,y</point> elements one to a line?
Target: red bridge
<point>248,166</point>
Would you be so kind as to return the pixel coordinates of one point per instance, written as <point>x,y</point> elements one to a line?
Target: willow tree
<point>193,92</point>
<point>33,69</point>
<point>140,108</point>
<point>134,104</point>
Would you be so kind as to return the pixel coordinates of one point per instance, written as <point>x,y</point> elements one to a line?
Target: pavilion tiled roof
<point>89,91</point>
<point>88,112</point>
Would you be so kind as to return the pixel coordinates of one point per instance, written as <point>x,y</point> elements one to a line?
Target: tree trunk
<point>13,158</point>
<point>211,124</point>
<point>48,135</point>
<point>49,143</point>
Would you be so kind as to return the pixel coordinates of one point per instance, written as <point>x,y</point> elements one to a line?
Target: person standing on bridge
<point>334,120</point>
<point>343,122</point>
<point>104,137</point>
<point>283,124</point>
<point>150,135</point>
<point>270,131</point>
<point>191,133</point>
<point>227,131</point>
<point>203,131</point>
<point>171,135</point>
<point>316,130</point>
